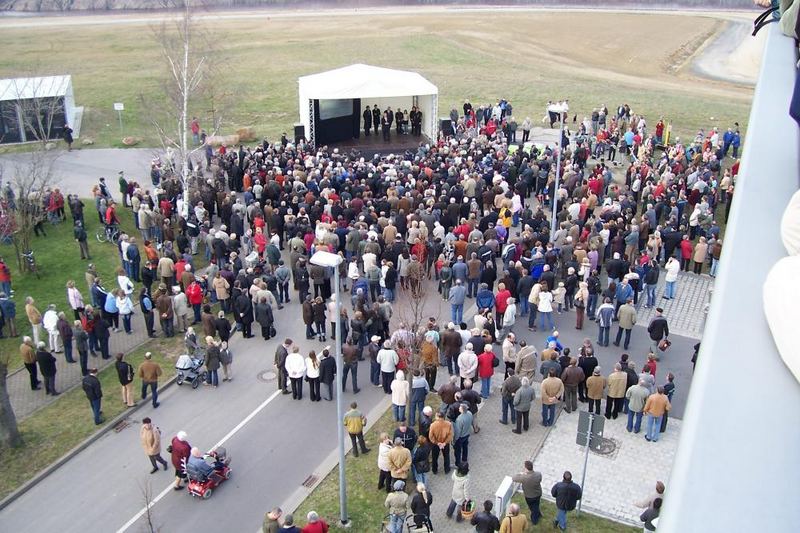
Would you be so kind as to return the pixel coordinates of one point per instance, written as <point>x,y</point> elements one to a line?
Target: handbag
<point>664,345</point>
<point>272,331</point>
<point>495,361</point>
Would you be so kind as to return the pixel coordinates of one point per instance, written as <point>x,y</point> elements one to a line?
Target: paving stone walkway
<point>686,313</point>
<point>615,481</point>
<point>68,375</point>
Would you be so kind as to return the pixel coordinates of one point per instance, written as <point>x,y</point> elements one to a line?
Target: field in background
<point>527,57</point>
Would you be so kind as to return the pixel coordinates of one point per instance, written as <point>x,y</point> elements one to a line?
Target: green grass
<point>260,60</point>
<point>58,259</point>
<point>365,504</point>
<point>583,523</point>
<point>57,428</point>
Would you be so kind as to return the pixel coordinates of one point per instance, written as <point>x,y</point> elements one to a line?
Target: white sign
<point>119,106</point>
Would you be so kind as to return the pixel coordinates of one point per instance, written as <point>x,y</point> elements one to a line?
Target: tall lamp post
<point>329,260</point>
<point>562,110</point>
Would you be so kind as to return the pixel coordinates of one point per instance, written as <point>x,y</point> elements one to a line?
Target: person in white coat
<point>400,391</point>
<point>312,375</point>
<point>460,492</point>
<point>50,324</point>
<point>672,267</point>
<point>467,364</point>
<point>125,308</point>
<point>509,317</point>
<point>296,369</point>
<point>75,299</point>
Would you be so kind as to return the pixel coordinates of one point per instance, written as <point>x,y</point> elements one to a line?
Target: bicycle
<point>109,233</point>
<point>30,263</point>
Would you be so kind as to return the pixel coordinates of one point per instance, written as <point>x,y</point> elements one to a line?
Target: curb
<point>41,476</point>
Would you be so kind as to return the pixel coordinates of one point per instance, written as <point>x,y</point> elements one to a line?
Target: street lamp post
<point>327,259</point>
<point>562,110</point>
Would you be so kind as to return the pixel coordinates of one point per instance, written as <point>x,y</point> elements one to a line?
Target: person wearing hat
<point>180,450</point>
<point>149,372</point>
<point>397,504</point>
<point>595,384</point>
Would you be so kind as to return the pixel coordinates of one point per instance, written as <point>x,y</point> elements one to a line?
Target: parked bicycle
<point>109,233</point>
<point>30,262</point>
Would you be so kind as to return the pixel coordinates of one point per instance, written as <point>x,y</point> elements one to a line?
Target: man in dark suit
<point>376,118</point>
<point>280,363</point>
<point>47,366</point>
<point>390,116</point>
<point>327,372</point>
<point>94,392</point>
<point>367,120</point>
<point>386,126</point>
<point>399,119</point>
<point>416,121</point>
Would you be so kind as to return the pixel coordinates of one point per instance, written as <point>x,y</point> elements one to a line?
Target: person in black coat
<point>101,334</point>
<point>484,521</point>
<point>376,118</point>
<point>567,493</point>
<point>386,127</point>
<point>367,120</point>
<point>244,313</point>
<point>327,372</point>
<point>223,327</point>
<point>94,392</point>
<point>264,318</point>
<point>421,503</point>
<point>47,366</point>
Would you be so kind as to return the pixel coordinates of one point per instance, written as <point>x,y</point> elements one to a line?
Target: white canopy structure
<point>25,102</point>
<point>371,85</point>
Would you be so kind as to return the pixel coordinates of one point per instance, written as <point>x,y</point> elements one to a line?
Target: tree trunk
<point>9,432</point>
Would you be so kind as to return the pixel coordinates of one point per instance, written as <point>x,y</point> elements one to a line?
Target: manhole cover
<point>266,375</point>
<point>605,447</point>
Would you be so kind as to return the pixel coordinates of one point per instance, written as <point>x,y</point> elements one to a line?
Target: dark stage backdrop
<point>336,129</point>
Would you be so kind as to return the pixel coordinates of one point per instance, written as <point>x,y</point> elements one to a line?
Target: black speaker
<point>299,132</point>
<point>445,126</point>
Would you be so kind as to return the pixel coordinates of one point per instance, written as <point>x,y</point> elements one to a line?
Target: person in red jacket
<point>501,304</point>
<point>194,293</point>
<point>180,450</point>
<point>315,524</point>
<point>486,370</point>
<point>686,253</point>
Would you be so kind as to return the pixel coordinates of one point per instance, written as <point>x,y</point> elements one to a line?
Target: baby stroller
<point>203,486</point>
<point>188,368</point>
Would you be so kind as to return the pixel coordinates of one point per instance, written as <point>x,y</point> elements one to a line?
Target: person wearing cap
<point>150,436</point>
<point>149,372</point>
<point>397,503</point>
<point>595,384</point>
<point>179,450</point>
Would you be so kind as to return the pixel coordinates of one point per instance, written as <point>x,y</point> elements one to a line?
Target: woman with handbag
<point>312,375</point>
<point>581,299</point>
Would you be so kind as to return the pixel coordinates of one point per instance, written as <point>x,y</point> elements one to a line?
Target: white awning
<point>27,88</point>
<point>364,81</point>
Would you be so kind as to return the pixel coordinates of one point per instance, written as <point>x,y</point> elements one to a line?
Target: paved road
<point>274,452</point>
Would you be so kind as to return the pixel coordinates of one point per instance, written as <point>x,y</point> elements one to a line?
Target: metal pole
<point>586,458</point>
<point>119,113</point>
<point>558,175</point>
<point>339,414</point>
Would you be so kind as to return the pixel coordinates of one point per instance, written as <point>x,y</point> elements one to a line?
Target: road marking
<point>222,441</point>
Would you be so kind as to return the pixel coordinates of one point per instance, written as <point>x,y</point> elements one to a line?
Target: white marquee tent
<point>373,85</point>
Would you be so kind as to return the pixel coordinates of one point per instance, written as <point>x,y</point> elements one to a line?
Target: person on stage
<point>367,121</point>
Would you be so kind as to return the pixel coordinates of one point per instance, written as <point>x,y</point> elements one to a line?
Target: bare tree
<point>190,82</point>
<point>147,495</point>
<point>9,432</point>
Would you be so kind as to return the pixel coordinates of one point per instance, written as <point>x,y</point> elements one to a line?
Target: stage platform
<point>371,145</point>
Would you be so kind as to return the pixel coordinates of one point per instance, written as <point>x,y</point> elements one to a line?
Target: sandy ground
<point>732,55</point>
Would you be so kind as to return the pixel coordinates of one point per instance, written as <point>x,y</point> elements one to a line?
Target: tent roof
<point>364,81</point>
<point>27,88</point>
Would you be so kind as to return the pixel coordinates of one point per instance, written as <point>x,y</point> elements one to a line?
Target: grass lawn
<point>536,57</point>
<point>365,503</point>
<point>585,523</point>
<point>58,259</point>
<point>47,437</point>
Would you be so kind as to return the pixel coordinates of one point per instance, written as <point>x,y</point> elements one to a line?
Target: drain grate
<point>606,447</point>
<point>122,424</point>
<point>266,375</point>
<point>310,481</point>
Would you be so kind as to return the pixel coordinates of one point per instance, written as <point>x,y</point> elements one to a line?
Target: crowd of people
<point>465,215</point>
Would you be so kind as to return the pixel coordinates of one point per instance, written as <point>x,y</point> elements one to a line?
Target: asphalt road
<point>101,489</point>
<point>275,443</point>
